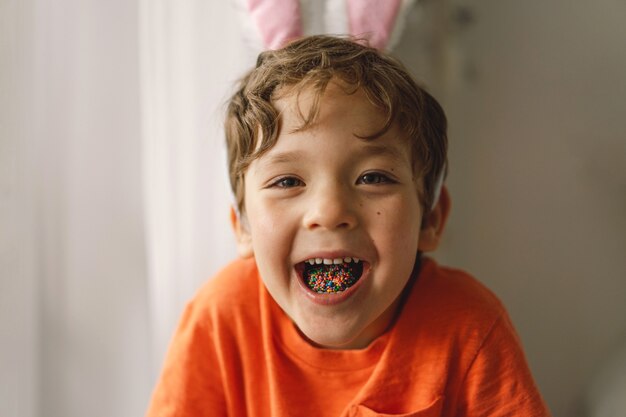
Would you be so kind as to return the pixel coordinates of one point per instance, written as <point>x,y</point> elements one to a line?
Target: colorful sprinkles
<point>330,278</point>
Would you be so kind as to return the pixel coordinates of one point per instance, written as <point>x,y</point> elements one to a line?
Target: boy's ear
<point>434,223</point>
<point>244,240</point>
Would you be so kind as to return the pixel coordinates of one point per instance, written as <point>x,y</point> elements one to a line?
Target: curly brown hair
<point>252,122</point>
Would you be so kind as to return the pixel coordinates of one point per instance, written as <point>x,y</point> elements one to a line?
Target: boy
<point>336,159</point>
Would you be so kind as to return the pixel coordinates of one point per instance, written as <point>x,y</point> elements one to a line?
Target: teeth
<point>334,261</point>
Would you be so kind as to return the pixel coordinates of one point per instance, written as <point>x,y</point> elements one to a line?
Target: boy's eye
<point>374,178</point>
<point>287,182</point>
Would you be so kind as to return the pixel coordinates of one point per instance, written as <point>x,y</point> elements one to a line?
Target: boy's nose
<point>330,208</point>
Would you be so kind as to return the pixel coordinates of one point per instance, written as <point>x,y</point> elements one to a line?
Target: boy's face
<point>325,193</point>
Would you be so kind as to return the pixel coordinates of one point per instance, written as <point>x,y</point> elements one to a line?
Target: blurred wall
<point>536,98</point>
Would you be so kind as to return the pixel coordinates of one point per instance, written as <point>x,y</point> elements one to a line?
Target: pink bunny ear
<point>278,21</point>
<point>373,19</point>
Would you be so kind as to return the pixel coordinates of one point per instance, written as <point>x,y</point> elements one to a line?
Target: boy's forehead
<point>343,112</point>
<point>294,105</point>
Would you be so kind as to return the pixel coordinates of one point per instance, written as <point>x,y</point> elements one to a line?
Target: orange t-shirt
<point>451,352</point>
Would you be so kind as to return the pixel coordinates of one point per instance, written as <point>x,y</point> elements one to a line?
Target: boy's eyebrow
<point>368,150</point>
<point>283,158</point>
<point>391,151</point>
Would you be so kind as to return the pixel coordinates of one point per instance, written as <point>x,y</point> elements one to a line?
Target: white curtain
<point>18,266</point>
<point>113,195</point>
<point>191,54</point>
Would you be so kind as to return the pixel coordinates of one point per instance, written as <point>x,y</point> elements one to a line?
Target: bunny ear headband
<point>277,22</point>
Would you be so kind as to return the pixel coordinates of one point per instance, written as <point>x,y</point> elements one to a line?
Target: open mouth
<point>331,275</point>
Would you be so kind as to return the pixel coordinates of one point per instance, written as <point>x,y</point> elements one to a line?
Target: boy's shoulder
<point>450,297</point>
<point>457,287</point>
<point>231,293</point>
<point>238,278</point>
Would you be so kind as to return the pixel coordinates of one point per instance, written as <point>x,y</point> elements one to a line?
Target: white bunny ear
<point>336,17</point>
<point>278,21</point>
<point>373,19</point>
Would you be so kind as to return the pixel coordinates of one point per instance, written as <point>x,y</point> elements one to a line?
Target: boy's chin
<point>339,331</point>
<point>337,339</point>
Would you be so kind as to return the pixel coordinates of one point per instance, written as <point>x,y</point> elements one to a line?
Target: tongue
<point>332,278</point>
